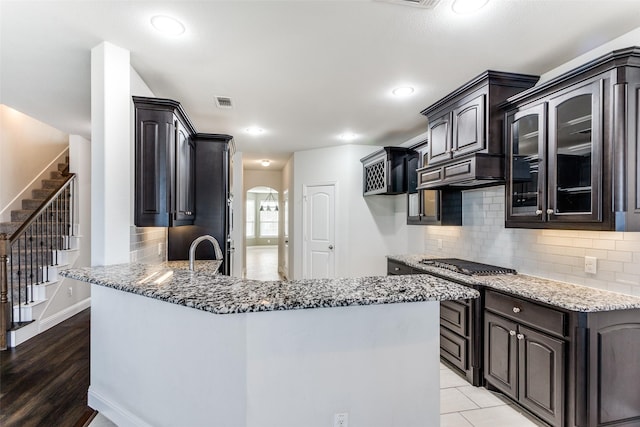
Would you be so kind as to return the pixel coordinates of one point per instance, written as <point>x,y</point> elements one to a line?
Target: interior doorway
<point>262,233</point>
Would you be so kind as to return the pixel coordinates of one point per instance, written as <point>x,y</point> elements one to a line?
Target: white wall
<point>367,228</point>
<point>64,303</point>
<point>28,147</point>
<point>287,253</point>
<point>237,233</point>
<point>110,154</point>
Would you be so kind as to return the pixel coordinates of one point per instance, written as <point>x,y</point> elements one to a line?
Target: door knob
<point>539,212</point>
<point>549,211</point>
<point>512,333</point>
<point>330,246</point>
<point>516,309</point>
<point>520,336</point>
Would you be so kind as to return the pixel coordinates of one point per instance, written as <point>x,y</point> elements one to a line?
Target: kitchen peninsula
<point>170,346</point>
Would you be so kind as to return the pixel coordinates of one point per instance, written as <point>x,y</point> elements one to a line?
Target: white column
<point>110,154</point>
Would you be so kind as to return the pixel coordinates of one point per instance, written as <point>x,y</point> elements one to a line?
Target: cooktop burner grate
<point>469,268</point>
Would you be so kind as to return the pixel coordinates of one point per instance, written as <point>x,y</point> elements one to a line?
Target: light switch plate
<point>590,264</point>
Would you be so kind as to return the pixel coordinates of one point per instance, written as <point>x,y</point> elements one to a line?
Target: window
<point>268,223</point>
<point>251,219</point>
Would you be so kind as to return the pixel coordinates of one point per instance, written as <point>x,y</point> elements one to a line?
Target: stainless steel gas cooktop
<point>469,268</point>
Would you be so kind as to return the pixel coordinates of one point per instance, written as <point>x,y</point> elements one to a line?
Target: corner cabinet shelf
<point>164,164</point>
<point>429,207</point>
<point>384,171</point>
<point>571,148</point>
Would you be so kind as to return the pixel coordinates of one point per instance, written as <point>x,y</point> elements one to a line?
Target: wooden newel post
<point>4,300</point>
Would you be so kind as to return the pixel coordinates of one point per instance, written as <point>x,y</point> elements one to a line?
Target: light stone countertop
<point>559,294</point>
<point>203,289</point>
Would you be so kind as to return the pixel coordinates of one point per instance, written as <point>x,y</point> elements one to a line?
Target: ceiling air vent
<point>223,102</point>
<point>425,4</point>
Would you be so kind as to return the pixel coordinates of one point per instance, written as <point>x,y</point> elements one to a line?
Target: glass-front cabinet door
<point>526,167</point>
<point>575,155</point>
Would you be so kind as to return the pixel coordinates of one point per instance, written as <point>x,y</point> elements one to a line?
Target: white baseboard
<point>116,413</point>
<point>63,315</point>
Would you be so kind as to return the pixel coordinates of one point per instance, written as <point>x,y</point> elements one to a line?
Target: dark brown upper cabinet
<point>164,164</point>
<point>384,171</point>
<point>465,133</point>
<point>571,144</point>
<point>429,207</point>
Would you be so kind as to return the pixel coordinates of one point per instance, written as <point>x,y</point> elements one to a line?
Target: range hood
<point>475,170</point>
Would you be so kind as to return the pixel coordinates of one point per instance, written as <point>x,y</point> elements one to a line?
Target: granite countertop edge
<point>568,296</point>
<point>205,290</point>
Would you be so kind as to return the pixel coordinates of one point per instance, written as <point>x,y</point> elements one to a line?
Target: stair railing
<point>26,255</point>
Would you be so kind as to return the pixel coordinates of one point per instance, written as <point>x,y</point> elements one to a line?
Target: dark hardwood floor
<point>44,381</point>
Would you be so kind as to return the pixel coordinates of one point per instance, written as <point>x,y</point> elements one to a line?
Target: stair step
<point>63,166</point>
<point>58,175</point>
<point>52,183</point>
<point>41,193</point>
<point>21,215</point>
<point>31,203</point>
<point>9,227</point>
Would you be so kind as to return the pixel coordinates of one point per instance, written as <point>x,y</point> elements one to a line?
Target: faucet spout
<point>196,242</point>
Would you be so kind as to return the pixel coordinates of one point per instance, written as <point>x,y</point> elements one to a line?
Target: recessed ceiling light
<point>347,136</point>
<point>468,6</point>
<point>167,25</point>
<point>254,130</point>
<point>265,162</point>
<point>403,91</point>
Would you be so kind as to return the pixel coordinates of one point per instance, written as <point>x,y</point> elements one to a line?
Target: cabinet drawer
<point>540,317</point>
<point>453,348</point>
<point>398,268</point>
<point>454,316</point>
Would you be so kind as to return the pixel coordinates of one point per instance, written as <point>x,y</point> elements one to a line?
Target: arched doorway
<point>262,233</point>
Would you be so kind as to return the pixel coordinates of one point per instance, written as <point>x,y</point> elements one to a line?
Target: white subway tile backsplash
<point>553,254</point>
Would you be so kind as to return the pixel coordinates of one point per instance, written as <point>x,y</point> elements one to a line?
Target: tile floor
<point>262,263</point>
<point>461,405</point>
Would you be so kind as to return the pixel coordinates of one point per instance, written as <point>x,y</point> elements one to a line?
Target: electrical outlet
<point>70,291</point>
<point>341,420</point>
<point>159,249</point>
<point>439,243</point>
<point>590,264</point>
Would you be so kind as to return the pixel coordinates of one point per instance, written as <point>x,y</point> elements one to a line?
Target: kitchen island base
<point>154,363</point>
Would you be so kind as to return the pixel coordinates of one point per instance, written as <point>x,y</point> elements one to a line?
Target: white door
<point>319,231</point>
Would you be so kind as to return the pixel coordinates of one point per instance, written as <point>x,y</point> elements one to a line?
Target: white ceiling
<point>305,71</point>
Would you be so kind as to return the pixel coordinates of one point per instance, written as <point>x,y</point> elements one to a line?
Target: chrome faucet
<point>196,242</point>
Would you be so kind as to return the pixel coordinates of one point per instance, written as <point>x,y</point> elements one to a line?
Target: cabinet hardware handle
<point>331,247</point>
<point>516,309</point>
<point>396,268</point>
<point>539,212</point>
<point>512,333</point>
<point>520,336</point>
<point>549,211</point>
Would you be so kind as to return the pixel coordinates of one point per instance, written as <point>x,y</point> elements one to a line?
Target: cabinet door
<point>541,374</point>
<point>439,139</point>
<point>468,127</point>
<point>154,132</point>
<point>526,177</point>
<point>575,155</point>
<point>501,354</point>
<point>184,175</point>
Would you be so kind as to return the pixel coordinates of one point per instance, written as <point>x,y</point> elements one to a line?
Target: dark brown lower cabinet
<point>526,365</point>
<point>573,369</point>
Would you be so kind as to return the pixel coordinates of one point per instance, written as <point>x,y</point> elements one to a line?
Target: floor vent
<point>223,102</point>
<point>425,4</point>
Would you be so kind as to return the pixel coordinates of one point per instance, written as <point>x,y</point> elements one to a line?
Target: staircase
<point>35,245</point>
<point>38,196</point>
